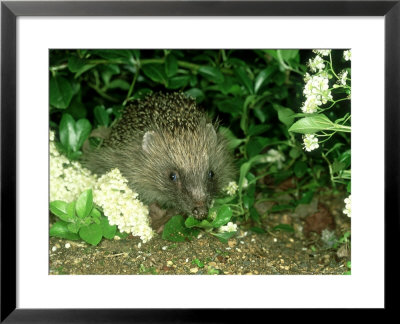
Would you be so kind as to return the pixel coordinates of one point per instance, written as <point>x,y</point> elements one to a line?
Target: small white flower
<point>310,142</point>
<point>67,245</point>
<point>274,156</point>
<point>311,105</point>
<point>317,92</point>
<point>347,208</point>
<point>231,188</point>
<point>347,55</point>
<point>213,215</point>
<point>67,179</point>
<point>230,227</point>
<point>317,64</point>
<point>343,77</point>
<point>322,52</point>
<point>121,206</point>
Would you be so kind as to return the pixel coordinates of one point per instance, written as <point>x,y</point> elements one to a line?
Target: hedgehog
<point>170,151</point>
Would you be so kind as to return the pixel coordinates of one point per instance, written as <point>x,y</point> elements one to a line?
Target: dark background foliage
<point>256,95</point>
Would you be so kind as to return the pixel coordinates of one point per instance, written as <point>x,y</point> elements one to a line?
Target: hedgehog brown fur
<point>169,151</point>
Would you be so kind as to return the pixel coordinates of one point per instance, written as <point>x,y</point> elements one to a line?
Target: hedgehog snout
<point>200,210</point>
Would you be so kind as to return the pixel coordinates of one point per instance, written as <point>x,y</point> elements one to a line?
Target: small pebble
<point>139,245</point>
<point>275,239</point>
<point>54,248</point>
<point>194,270</point>
<point>67,245</point>
<point>116,238</point>
<point>164,248</point>
<point>169,263</point>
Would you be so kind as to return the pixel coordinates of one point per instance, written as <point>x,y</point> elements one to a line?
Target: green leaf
<point>233,141</point>
<point>95,213</point>
<point>198,263</point>
<point>196,94</point>
<point>256,144</point>
<point>73,227</point>
<point>176,231</point>
<point>278,208</point>
<point>285,115</point>
<point>245,116</point>
<point>107,71</point>
<point>223,237</point>
<point>257,230</point>
<point>155,72</point>
<point>91,233</point>
<point>257,129</point>
<point>254,215</point>
<point>83,129</point>
<point>311,125</point>
<point>178,82</point>
<point>306,198</point>
<point>84,204</point>
<point>283,227</point>
<point>67,132</point>
<point>118,83</point>
<point>73,135</point>
<point>191,222</point>
<point>61,92</point>
<point>244,78</point>
<point>59,208</point>
<point>171,65</point>
<point>101,115</point>
<point>211,73</point>
<point>71,210</point>
<point>224,215</point>
<point>245,168</point>
<point>264,77</point>
<point>60,229</point>
<point>300,169</point>
<point>294,153</point>
<point>288,55</point>
<point>124,56</point>
<point>107,229</point>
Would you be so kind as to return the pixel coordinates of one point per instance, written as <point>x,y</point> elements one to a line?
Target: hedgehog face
<point>186,168</point>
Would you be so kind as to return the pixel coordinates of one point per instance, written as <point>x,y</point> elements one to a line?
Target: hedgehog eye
<point>173,176</point>
<point>210,174</point>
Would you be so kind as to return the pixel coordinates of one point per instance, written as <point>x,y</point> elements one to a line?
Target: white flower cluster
<point>230,227</point>
<point>121,206</point>
<point>347,208</point>
<point>274,156</point>
<point>231,188</point>
<point>343,77</point>
<point>310,142</point>
<point>317,92</point>
<point>347,55</point>
<point>68,179</point>
<point>317,64</point>
<point>322,52</point>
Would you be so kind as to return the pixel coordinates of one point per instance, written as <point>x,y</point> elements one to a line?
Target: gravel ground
<point>248,253</point>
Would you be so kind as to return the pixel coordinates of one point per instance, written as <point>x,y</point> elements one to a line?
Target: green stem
<point>102,93</point>
<point>132,86</point>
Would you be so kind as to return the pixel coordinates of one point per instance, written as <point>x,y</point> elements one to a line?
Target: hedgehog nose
<point>200,210</point>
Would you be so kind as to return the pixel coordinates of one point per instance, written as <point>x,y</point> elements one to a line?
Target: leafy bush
<point>285,112</point>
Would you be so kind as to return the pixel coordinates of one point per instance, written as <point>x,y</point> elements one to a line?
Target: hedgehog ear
<point>147,139</point>
<point>210,128</point>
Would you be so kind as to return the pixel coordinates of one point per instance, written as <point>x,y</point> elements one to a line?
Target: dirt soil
<point>248,253</point>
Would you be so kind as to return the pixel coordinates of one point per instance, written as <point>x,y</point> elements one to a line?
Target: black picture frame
<point>10,10</point>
